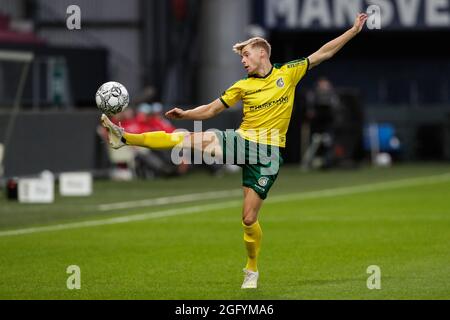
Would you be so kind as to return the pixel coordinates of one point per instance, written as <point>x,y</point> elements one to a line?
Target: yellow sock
<point>154,140</point>
<point>252,239</point>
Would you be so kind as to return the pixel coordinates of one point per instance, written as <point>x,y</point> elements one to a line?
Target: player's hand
<point>175,113</point>
<point>359,22</point>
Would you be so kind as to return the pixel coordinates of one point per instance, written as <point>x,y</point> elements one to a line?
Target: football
<point>112,97</point>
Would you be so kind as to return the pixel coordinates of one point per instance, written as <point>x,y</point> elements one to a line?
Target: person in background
<point>145,163</point>
<point>322,113</point>
<point>156,121</point>
<point>155,163</point>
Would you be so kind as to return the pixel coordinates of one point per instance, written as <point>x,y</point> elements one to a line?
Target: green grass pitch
<point>317,244</point>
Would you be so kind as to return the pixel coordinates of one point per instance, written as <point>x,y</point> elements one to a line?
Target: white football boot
<point>250,280</point>
<point>115,133</point>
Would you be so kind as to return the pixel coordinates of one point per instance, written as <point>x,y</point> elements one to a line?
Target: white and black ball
<point>112,98</point>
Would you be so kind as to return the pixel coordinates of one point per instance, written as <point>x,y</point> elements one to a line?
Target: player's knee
<point>249,219</point>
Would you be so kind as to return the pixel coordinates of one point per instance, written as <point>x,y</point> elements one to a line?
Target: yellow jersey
<point>267,102</point>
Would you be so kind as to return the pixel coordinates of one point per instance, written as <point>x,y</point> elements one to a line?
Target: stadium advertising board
<point>316,15</point>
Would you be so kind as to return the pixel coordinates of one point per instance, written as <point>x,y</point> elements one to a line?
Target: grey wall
<point>223,24</point>
<point>113,24</point>
<point>57,141</point>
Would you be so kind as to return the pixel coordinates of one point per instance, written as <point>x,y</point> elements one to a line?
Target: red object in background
<point>156,123</point>
<point>12,189</point>
<point>339,151</point>
<point>10,36</point>
<point>133,125</point>
<point>4,22</point>
<point>14,37</point>
<point>143,122</point>
<point>179,8</point>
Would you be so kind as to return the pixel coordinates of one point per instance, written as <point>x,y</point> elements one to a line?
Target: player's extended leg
<point>154,140</point>
<point>252,236</point>
<point>160,139</point>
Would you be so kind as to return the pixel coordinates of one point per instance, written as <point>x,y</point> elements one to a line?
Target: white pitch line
<point>124,219</point>
<point>236,203</point>
<point>170,200</point>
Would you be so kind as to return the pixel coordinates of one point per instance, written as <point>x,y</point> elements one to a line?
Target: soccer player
<point>267,94</point>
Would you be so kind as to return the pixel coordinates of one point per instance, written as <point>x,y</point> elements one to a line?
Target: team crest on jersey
<point>280,83</point>
<point>263,181</point>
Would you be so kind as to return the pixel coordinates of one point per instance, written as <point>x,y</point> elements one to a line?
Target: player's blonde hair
<point>254,42</point>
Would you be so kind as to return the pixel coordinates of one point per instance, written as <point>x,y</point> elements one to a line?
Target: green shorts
<point>260,163</point>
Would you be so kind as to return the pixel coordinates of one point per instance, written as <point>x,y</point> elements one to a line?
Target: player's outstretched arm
<point>330,48</point>
<point>200,113</point>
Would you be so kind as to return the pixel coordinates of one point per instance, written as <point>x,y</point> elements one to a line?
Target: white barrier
<point>36,190</point>
<point>75,184</point>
